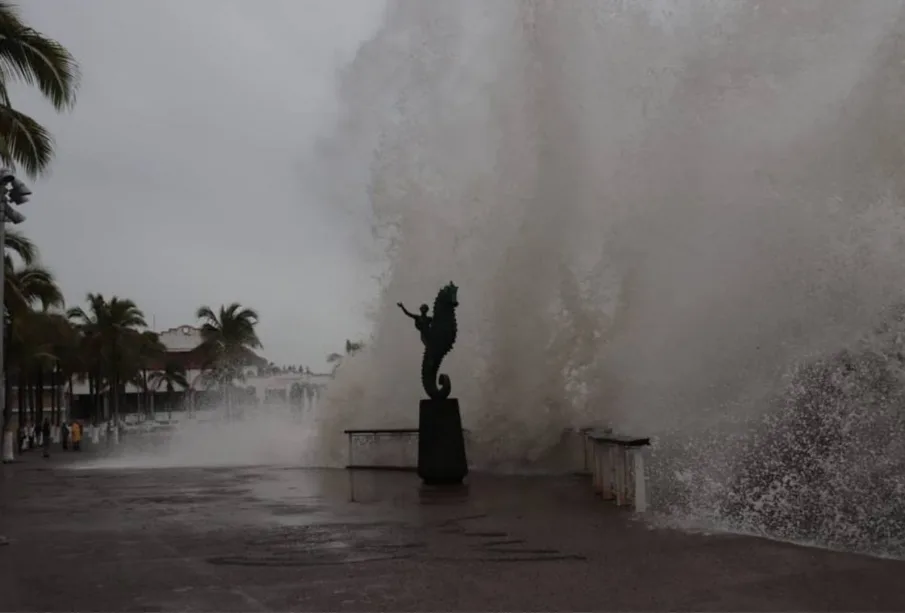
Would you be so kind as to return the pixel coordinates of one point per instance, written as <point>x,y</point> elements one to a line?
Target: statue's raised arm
<point>406,311</point>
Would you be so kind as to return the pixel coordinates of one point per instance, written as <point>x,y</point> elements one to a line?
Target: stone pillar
<point>9,442</point>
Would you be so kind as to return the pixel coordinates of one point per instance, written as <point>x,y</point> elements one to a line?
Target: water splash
<point>267,435</point>
<point>655,210</point>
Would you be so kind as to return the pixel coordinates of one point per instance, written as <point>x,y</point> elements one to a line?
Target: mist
<point>668,217</point>
<point>654,211</point>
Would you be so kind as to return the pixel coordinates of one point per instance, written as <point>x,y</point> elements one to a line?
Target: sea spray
<point>654,210</point>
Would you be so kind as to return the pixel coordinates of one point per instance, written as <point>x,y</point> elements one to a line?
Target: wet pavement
<point>284,538</point>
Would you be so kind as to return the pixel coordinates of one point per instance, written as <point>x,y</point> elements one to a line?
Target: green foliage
<point>228,341</point>
<point>36,60</point>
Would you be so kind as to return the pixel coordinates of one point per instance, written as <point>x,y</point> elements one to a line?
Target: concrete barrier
<point>9,446</point>
<point>615,464</point>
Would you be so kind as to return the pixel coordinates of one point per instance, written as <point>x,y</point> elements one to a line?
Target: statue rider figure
<point>422,321</point>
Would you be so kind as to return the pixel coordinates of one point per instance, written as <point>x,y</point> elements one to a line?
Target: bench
<point>375,434</point>
<point>615,464</point>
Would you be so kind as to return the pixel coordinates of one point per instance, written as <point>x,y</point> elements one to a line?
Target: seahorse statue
<point>438,333</point>
<point>439,340</point>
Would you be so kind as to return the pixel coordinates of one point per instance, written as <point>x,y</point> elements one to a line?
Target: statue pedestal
<point>441,443</point>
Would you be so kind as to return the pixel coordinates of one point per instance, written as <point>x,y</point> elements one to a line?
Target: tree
<point>29,352</point>
<point>90,349</point>
<point>109,328</point>
<point>351,349</point>
<point>173,374</point>
<point>28,56</point>
<point>70,363</point>
<point>143,352</point>
<point>35,349</point>
<point>228,343</point>
<point>26,287</point>
<point>16,243</point>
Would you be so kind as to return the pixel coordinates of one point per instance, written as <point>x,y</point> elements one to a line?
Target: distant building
<point>183,345</point>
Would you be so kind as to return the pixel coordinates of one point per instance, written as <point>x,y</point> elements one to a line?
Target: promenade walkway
<point>279,539</point>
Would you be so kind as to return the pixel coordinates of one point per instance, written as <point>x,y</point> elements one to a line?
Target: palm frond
<point>24,142</point>
<point>29,286</point>
<point>36,60</point>
<point>16,242</point>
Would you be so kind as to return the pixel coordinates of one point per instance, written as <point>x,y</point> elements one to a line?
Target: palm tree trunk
<point>8,407</point>
<point>54,405</point>
<point>69,397</point>
<point>8,393</point>
<point>146,391</point>
<point>114,380</point>
<point>97,407</point>
<point>30,396</point>
<point>92,397</point>
<point>21,392</point>
<point>8,404</point>
<point>114,398</point>
<point>7,383</point>
<point>39,394</point>
<point>227,400</point>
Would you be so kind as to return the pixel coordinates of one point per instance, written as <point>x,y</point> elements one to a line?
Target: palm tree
<point>27,282</point>
<point>228,343</point>
<point>16,243</point>
<point>30,285</point>
<point>143,351</point>
<point>26,287</point>
<point>90,349</point>
<point>70,362</point>
<point>34,349</point>
<point>351,349</point>
<point>110,326</point>
<point>173,374</point>
<point>28,56</point>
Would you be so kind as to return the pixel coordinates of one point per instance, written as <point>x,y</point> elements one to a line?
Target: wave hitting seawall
<point>679,218</point>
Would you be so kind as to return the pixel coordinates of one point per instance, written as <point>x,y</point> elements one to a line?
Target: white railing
<point>401,453</point>
<point>615,464</point>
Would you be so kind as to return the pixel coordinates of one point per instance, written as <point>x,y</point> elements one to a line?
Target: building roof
<point>181,339</point>
<point>184,339</point>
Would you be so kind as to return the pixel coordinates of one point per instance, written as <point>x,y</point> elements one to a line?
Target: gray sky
<point>179,176</point>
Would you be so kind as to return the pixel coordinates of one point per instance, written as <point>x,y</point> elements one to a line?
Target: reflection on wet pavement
<point>281,538</point>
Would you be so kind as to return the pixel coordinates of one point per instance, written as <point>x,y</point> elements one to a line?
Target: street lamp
<point>12,191</point>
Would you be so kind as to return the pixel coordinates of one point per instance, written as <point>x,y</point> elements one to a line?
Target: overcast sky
<point>178,177</point>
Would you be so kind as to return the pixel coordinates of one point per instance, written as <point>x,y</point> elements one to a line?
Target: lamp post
<point>12,191</point>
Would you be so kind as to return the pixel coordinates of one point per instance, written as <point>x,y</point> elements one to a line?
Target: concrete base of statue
<point>441,443</point>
